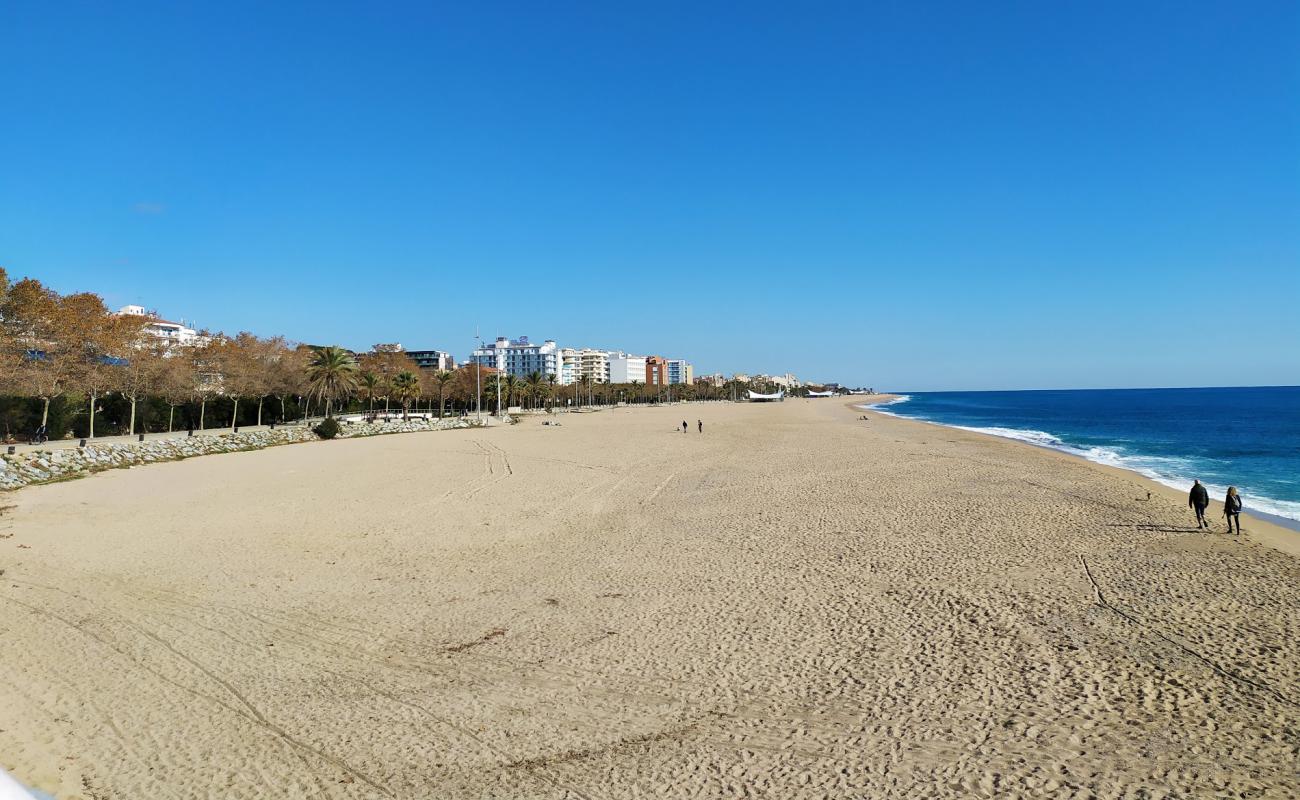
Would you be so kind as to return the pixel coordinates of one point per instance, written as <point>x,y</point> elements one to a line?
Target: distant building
<point>716,379</point>
<point>656,371</point>
<point>594,364</point>
<point>519,357</point>
<point>787,380</point>
<point>570,367</point>
<point>626,368</point>
<point>680,371</point>
<point>579,364</point>
<point>393,347</point>
<point>173,333</point>
<point>433,359</point>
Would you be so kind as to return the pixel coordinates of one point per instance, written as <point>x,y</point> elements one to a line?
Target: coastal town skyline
<point>568,363</point>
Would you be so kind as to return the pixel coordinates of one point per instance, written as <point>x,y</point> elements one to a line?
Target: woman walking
<point>1232,508</point>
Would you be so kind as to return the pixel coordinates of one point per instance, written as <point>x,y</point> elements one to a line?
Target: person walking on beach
<point>1232,508</point>
<point>700,422</point>
<point>685,427</point>
<point>1199,499</point>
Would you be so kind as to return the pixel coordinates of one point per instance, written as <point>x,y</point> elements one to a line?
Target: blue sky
<point>905,195</point>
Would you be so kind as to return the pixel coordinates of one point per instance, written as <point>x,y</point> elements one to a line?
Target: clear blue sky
<point>906,195</point>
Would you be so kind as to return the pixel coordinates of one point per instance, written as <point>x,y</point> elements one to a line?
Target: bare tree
<point>204,372</point>
<point>288,374</point>
<point>175,381</point>
<point>242,364</point>
<point>143,372</point>
<point>268,355</point>
<point>100,342</point>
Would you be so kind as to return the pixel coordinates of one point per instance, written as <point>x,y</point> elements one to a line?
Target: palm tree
<point>331,374</point>
<point>443,378</point>
<point>369,381</point>
<point>510,384</point>
<point>550,389</point>
<point>406,386</point>
<point>534,382</point>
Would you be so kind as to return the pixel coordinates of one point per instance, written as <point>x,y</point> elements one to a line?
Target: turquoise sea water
<point>1243,437</point>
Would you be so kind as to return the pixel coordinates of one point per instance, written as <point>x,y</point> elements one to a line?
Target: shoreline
<point>1277,532</point>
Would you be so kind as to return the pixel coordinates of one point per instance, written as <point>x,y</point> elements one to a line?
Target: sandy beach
<point>795,603</point>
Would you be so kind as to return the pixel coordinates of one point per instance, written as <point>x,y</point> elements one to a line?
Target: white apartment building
<point>578,364</point>
<point>594,364</point>
<point>519,357</point>
<point>788,380</point>
<point>625,368</point>
<point>570,367</point>
<point>173,333</point>
<point>680,371</point>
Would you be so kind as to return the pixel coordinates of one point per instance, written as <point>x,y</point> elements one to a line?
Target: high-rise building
<point>594,364</point>
<point>680,371</point>
<point>656,371</point>
<point>579,364</point>
<point>570,367</point>
<point>519,357</point>
<point>626,368</point>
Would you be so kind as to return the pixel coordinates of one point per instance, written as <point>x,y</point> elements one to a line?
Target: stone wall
<point>41,466</point>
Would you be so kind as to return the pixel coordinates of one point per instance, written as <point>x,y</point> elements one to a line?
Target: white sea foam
<point>879,407</point>
<point>1168,471</point>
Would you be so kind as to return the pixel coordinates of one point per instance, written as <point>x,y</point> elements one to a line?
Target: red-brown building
<point>656,371</point>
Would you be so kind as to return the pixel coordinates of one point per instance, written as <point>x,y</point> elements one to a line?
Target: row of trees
<point>70,366</point>
<point>55,348</point>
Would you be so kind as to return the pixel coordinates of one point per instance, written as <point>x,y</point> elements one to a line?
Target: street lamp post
<point>478,383</point>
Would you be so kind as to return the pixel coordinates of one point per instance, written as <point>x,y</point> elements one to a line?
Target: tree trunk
<point>171,415</point>
<point>327,408</point>
<point>234,415</point>
<point>282,408</point>
<point>92,415</point>
<point>203,408</point>
<point>131,427</point>
<point>442,405</point>
<point>259,411</point>
<point>45,413</point>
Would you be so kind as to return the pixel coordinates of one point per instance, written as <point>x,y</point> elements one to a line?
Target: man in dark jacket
<point>1199,499</point>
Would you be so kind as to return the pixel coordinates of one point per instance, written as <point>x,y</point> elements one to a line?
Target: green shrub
<point>328,429</point>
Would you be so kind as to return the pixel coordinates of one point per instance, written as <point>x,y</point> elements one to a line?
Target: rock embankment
<point>42,466</point>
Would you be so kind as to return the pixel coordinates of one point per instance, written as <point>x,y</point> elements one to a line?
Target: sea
<point>1248,437</point>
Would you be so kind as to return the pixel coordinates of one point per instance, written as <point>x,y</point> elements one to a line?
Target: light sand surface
<point>795,604</point>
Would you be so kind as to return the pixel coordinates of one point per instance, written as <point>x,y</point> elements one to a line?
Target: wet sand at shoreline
<point>795,603</point>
